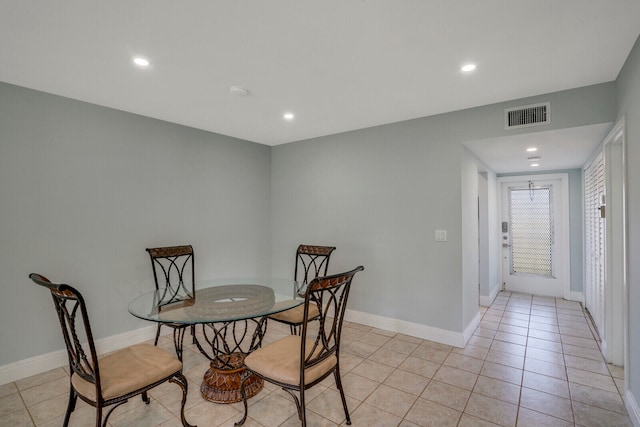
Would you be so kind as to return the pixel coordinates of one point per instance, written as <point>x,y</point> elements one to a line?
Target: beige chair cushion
<point>280,361</point>
<point>296,314</point>
<point>128,370</point>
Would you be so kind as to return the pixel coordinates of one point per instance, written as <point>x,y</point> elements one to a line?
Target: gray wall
<point>470,236</point>
<point>628,91</point>
<point>85,189</point>
<point>378,194</point>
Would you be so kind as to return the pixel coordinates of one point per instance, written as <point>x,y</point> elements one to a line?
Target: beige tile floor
<point>533,361</point>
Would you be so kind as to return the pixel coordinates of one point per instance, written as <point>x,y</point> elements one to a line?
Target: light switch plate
<point>441,235</point>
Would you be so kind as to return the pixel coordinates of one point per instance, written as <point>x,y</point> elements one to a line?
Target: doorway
<point>615,258</point>
<point>535,234</point>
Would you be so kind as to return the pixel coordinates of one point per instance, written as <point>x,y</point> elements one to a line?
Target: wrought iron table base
<point>223,385</point>
<point>223,380</point>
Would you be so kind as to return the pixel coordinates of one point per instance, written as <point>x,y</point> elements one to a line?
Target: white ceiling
<point>339,65</point>
<point>559,149</point>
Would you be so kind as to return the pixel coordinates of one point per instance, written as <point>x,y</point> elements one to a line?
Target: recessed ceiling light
<point>467,68</point>
<point>532,149</point>
<point>288,116</point>
<point>534,165</point>
<point>142,62</point>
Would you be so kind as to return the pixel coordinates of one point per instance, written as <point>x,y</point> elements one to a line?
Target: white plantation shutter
<point>594,226</point>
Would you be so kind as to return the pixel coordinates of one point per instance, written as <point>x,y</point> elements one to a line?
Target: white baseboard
<point>576,296</point>
<point>471,328</point>
<point>57,359</point>
<point>32,366</point>
<point>632,408</point>
<point>486,301</point>
<point>456,339</point>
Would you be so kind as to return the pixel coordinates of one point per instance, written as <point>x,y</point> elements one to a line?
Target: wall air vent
<point>528,115</point>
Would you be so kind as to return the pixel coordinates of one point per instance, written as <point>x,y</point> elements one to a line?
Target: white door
<point>535,238</point>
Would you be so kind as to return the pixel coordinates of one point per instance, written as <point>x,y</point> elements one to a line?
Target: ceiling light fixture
<point>531,149</point>
<point>140,61</point>
<point>288,116</point>
<point>534,165</point>
<point>467,68</point>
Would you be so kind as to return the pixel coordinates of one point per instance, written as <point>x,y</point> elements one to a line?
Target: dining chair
<point>174,274</point>
<point>311,262</point>
<point>298,362</point>
<point>112,379</point>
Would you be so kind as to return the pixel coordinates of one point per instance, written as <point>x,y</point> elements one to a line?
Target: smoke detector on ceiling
<point>238,91</point>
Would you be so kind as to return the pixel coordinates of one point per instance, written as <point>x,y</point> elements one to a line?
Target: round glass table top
<point>220,300</point>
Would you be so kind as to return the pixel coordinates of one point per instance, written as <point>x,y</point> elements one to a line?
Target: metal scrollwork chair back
<point>298,362</point>
<point>116,377</point>
<point>174,277</point>
<point>311,261</point>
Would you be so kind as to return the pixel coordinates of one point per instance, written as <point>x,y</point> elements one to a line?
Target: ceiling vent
<point>528,115</point>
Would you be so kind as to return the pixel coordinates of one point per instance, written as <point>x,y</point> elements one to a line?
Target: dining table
<point>230,317</point>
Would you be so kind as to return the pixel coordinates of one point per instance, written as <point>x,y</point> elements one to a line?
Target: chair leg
<point>243,393</point>
<point>106,417</point>
<point>73,397</point>
<point>336,374</point>
<point>178,340</point>
<point>181,380</point>
<point>99,417</point>
<point>145,397</point>
<point>296,400</point>
<point>303,410</point>
<point>157,334</point>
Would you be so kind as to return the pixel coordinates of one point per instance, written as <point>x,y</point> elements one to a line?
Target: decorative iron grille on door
<point>531,219</point>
